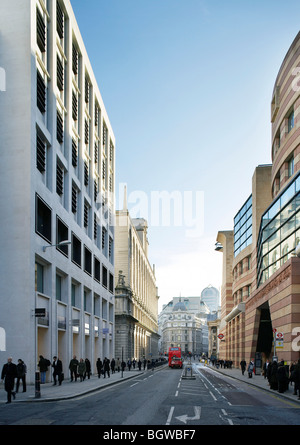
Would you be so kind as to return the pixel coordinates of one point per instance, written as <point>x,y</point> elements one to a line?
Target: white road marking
<point>170,415</point>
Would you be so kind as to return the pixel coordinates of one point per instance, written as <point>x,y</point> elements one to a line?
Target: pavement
<point>68,390</point>
<point>257,381</point>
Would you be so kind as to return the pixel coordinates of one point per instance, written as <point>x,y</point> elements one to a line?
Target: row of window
<point>80,255</point>
<point>243,227</point>
<point>279,232</point>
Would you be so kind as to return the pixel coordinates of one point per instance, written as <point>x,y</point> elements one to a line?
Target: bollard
<point>37,385</point>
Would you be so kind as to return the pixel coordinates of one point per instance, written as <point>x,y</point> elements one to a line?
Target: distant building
<point>136,299</point>
<point>183,323</point>
<point>210,295</point>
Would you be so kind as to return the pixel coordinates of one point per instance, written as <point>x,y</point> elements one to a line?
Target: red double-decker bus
<point>175,359</point>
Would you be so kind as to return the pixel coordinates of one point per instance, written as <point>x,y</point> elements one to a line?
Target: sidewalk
<point>257,380</point>
<point>69,390</point>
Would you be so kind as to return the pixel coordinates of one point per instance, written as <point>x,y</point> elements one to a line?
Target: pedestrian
<point>106,366</point>
<point>43,364</point>
<point>133,363</point>
<point>57,370</point>
<point>81,369</point>
<point>99,366</point>
<point>250,369</point>
<point>88,368</point>
<point>243,366</point>
<point>295,377</point>
<point>21,375</point>
<point>273,376</point>
<point>118,364</point>
<point>112,365</point>
<point>129,364</point>
<point>9,373</point>
<point>139,364</point>
<point>265,368</point>
<point>73,368</point>
<point>123,365</point>
<point>144,363</point>
<point>282,377</point>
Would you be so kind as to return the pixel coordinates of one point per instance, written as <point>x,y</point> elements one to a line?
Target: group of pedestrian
<point>10,372</point>
<point>81,369</point>
<point>280,376</point>
<point>222,363</point>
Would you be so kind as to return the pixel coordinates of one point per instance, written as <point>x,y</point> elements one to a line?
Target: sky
<point>187,86</point>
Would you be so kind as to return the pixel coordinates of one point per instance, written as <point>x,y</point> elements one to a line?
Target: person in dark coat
<point>73,368</point>
<point>99,366</point>
<point>112,365</point>
<point>273,376</point>
<point>87,368</point>
<point>106,367</point>
<point>9,373</point>
<point>57,370</point>
<point>282,377</point>
<point>243,366</point>
<point>21,375</point>
<point>43,365</point>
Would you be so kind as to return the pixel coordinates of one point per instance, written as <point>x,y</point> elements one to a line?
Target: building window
<point>86,214</point>
<point>43,219</point>
<point>74,199</point>
<point>291,121</point>
<point>74,106</point>
<point>59,127</point>
<point>39,278</point>
<point>95,227</point>
<point>86,131</point>
<point>73,294</point>
<point>74,59</point>
<point>74,153</point>
<point>40,92</point>
<point>291,167</point>
<point>40,31</point>
<point>40,153</point>
<point>86,173</point>
<point>58,287</point>
<point>62,234</point>
<point>87,90</point>
<point>104,276</point>
<point>103,238</point>
<point>111,283</point>
<point>96,269</point>
<point>76,250</point>
<point>59,20</point>
<point>87,261</point>
<point>60,74</point>
<point>59,179</point>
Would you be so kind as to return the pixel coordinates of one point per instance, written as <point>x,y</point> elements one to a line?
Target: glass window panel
<point>288,194</point>
<point>288,227</point>
<point>297,183</point>
<point>274,209</point>
<point>274,239</point>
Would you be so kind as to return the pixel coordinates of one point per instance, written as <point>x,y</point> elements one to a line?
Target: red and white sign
<point>220,336</point>
<point>279,336</point>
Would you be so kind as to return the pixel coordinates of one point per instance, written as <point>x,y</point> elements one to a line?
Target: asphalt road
<point>162,398</point>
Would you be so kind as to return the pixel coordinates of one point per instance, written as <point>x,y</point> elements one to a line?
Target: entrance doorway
<point>265,332</point>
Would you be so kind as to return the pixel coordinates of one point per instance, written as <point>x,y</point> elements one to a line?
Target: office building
<point>57,183</point>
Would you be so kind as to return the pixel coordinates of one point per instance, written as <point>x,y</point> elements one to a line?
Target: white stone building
<point>183,322</point>
<point>136,303</point>
<point>57,166</point>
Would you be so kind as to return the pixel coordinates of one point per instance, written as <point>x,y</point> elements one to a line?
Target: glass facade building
<point>279,232</point>
<point>243,227</point>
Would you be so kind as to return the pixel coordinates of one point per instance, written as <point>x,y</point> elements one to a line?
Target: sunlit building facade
<point>57,184</point>
<point>262,279</point>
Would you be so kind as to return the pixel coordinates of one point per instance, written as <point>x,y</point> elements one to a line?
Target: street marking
<point>176,393</point>
<point>170,415</point>
<point>213,396</point>
<point>185,418</point>
<point>134,384</point>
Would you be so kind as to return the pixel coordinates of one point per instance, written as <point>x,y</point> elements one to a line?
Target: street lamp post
<point>62,243</point>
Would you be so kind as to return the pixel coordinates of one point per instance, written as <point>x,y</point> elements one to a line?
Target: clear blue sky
<point>187,86</point>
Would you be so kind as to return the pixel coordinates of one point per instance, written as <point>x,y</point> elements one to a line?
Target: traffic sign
<point>220,336</point>
<point>279,336</point>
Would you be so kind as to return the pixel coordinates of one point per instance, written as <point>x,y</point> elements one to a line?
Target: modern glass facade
<point>243,227</point>
<point>279,232</point>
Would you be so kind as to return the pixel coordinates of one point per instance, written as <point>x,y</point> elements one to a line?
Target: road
<point>162,398</point>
